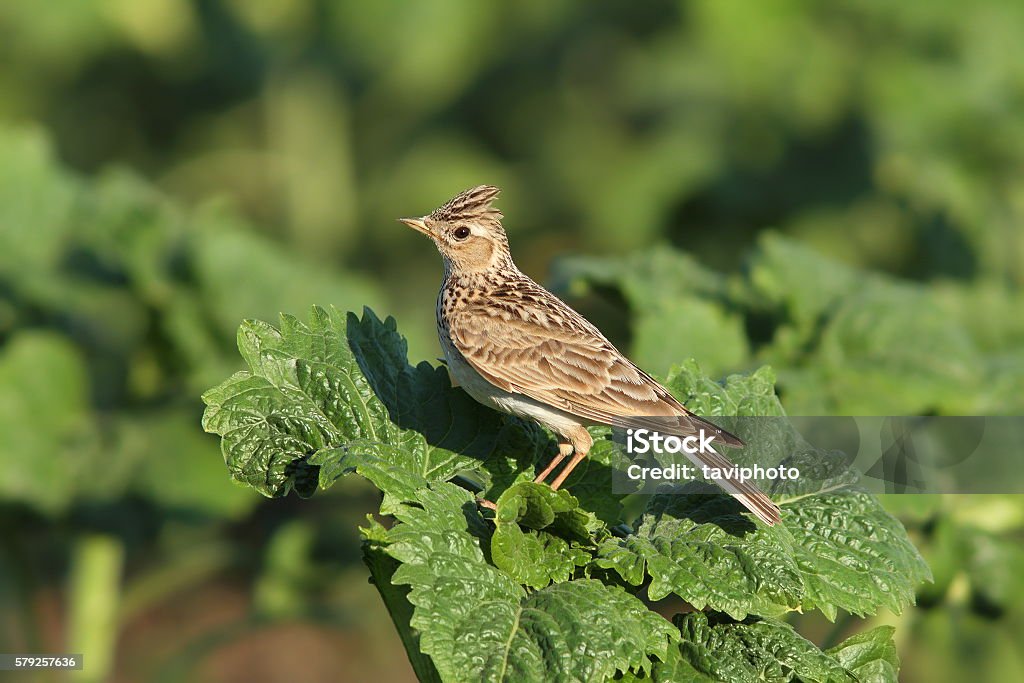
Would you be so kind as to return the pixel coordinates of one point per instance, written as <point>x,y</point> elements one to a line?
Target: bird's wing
<point>553,355</point>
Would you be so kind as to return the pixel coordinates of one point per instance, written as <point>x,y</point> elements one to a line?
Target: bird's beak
<point>417,224</point>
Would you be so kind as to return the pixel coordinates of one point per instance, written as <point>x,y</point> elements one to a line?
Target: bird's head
<point>467,230</point>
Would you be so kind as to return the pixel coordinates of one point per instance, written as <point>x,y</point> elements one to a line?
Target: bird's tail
<point>749,495</point>
<point>746,493</point>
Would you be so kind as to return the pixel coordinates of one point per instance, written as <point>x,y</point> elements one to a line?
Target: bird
<point>514,346</point>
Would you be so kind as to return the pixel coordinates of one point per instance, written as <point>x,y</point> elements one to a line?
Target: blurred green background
<point>835,188</point>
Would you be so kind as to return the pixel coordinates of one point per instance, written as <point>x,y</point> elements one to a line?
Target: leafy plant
<point>556,585</point>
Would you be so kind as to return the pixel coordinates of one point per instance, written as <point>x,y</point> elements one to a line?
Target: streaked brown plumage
<point>516,347</point>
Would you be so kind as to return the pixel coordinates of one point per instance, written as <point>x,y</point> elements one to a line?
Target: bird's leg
<point>568,469</point>
<point>581,443</point>
<point>564,449</point>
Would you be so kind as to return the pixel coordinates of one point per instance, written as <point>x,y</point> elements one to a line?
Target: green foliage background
<point>834,189</point>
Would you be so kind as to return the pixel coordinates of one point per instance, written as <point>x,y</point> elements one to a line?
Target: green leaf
<point>870,656</point>
<point>755,651</point>
<point>704,549</point>
<point>747,406</point>
<point>853,555</point>
<point>539,533</point>
<point>337,395</point>
<point>778,272</point>
<point>740,395</point>
<point>477,623</point>
<point>673,669</point>
<point>834,550</point>
<point>382,571</point>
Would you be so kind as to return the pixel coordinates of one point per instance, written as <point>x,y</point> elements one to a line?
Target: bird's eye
<point>461,232</point>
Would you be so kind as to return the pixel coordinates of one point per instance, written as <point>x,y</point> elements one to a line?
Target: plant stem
<point>94,593</point>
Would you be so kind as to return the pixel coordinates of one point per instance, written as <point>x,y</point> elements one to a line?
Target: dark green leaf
<point>755,651</point>
<point>337,395</point>
<point>539,534</point>
<point>477,623</point>
<point>870,656</point>
<point>702,549</point>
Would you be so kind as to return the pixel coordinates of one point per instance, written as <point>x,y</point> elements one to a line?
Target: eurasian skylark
<point>514,346</point>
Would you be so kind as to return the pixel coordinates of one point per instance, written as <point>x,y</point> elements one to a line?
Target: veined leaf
<point>852,554</point>
<point>478,623</point>
<point>836,548</point>
<point>870,656</point>
<point>540,534</point>
<point>756,651</point>
<point>702,549</point>
<point>337,395</point>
